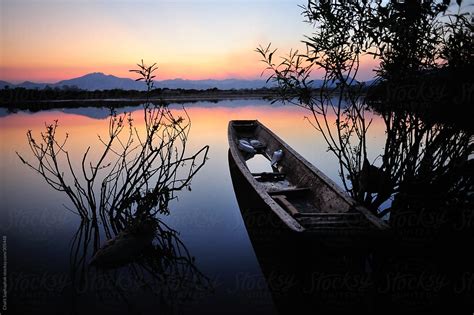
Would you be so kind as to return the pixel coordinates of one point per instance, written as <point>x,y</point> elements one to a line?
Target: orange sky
<point>52,40</point>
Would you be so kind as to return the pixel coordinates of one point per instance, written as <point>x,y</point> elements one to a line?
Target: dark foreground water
<point>230,273</point>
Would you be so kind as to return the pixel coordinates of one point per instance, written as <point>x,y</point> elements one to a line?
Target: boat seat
<point>340,215</point>
<point>347,220</point>
<point>242,127</point>
<point>268,177</point>
<point>282,201</point>
<point>290,192</point>
<point>282,198</point>
<point>251,124</point>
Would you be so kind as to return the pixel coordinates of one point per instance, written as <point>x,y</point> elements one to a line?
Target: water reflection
<point>425,266</point>
<point>428,163</point>
<point>208,217</point>
<point>396,276</point>
<point>211,227</point>
<point>149,257</point>
<point>119,197</point>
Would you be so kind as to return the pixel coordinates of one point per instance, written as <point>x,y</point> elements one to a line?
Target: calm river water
<point>39,229</point>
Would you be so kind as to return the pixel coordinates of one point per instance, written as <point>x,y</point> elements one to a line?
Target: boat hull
<point>299,265</point>
<point>333,215</point>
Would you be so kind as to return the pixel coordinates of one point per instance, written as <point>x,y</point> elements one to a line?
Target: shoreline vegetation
<point>35,99</point>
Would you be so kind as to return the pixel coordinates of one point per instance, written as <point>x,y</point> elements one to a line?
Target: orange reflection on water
<point>81,129</point>
<point>286,121</point>
<point>209,125</point>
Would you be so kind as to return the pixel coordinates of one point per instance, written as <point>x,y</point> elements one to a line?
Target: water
<point>40,230</point>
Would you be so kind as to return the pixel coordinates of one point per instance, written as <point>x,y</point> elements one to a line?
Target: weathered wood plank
<point>372,218</point>
<point>290,191</point>
<point>286,204</point>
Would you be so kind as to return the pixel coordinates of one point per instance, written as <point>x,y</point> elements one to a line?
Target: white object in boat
<point>256,144</point>
<point>246,146</point>
<point>277,155</point>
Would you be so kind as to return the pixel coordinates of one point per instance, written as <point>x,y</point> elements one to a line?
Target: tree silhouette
<point>420,46</point>
<point>136,175</point>
<point>136,169</point>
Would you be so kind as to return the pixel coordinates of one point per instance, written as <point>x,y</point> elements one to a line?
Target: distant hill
<point>3,84</point>
<point>32,85</point>
<point>101,81</point>
<point>26,85</point>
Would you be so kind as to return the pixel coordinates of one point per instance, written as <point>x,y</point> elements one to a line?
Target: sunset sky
<point>51,40</point>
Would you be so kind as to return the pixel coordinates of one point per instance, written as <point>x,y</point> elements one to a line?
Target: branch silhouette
<point>419,45</point>
<point>136,174</point>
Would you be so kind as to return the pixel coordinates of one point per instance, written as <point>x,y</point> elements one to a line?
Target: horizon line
<point>16,82</point>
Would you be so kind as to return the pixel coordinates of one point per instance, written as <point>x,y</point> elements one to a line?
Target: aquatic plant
<point>137,171</point>
<point>136,175</point>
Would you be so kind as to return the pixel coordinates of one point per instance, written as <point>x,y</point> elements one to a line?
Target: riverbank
<point>41,99</point>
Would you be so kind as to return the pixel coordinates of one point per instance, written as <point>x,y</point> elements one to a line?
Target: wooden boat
<point>296,193</point>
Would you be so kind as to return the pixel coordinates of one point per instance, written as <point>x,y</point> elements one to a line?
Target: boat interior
<point>298,190</point>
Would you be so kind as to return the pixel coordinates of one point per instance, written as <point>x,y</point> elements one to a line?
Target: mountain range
<point>101,81</point>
